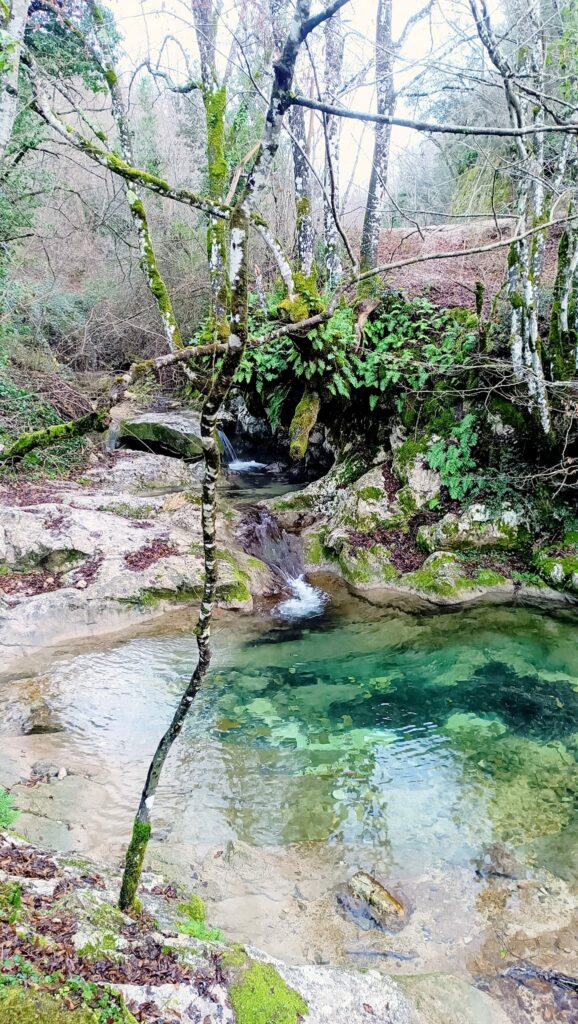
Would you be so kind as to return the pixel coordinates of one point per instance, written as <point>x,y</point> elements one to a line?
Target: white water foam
<point>307,600</point>
<point>238,466</point>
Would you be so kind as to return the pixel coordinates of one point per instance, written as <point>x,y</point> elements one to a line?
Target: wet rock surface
<point>81,560</point>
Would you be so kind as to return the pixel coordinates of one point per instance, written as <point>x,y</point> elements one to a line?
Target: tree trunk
<point>384,56</point>
<point>302,173</point>
<point>148,262</point>
<point>333,71</point>
<point>238,278</point>
<point>13,25</point>
<point>303,194</point>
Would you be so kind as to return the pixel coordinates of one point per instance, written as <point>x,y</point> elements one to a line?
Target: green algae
<point>262,997</point>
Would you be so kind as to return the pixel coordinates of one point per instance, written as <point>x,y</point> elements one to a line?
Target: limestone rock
<point>558,565</point>
<point>177,432</point>
<point>421,483</point>
<point>477,527</point>
<point>146,473</point>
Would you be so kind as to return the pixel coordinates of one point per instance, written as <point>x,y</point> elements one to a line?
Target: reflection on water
<point>409,742</point>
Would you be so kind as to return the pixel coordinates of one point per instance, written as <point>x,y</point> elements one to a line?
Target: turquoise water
<point>408,741</point>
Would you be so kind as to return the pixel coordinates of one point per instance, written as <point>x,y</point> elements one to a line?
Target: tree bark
<point>13,25</point>
<point>334,46</point>
<point>384,59</point>
<point>302,174</point>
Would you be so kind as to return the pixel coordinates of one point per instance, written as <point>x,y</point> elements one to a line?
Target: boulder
<point>421,483</point>
<point>558,564</point>
<point>176,432</point>
<point>477,527</point>
<point>148,473</point>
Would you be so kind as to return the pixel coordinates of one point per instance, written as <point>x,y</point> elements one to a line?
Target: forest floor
<point>452,282</point>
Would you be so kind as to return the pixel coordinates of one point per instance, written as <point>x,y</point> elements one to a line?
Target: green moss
<point>296,503</point>
<point>128,511</point>
<point>10,901</point>
<point>406,501</point>
<point>141,833</point>
<point>27,442</point>
<point>194,908</point>
<point>509,414</point>
<point>442,576</point>
<point>262,997</point>
<point>103,946</point>
<point>106,918</point>
<point>406,455</point>
<point>489,578</point>
<point>234,956</point>
<point>304,419</point>
<point>18,1006</point>
<point>111,77</point>
<point>7,812</point>
<point>314,550</point>
<point>370,493</point>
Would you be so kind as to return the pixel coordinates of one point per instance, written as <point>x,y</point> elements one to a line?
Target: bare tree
<point>334,46</point>
<point>13,17</point>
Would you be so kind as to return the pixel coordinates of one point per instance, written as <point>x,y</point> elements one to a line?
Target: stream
<point>437,751</point>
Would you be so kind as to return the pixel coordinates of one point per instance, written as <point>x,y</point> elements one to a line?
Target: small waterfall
<point>234,463</point>
<point>265,539</point>
<point>230,453</point>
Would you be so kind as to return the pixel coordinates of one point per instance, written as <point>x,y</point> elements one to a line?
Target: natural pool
<point>426,748</point>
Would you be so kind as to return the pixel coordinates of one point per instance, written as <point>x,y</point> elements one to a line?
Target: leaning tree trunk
<point>238,337</point>
<point>211,408</point>
<point>384,54</point>
<point>12,25</point>
<point>333,69</point>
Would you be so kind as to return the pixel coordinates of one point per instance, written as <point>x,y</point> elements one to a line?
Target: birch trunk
<point>333,71</point>
<point>12,27</point>
<point>299,145</point>
<point>384,58</point>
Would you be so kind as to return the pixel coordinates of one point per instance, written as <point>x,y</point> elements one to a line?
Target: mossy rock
<point>304,419</point>
<point>558,565</point>
<point>443,575</point>
<point>176,433</point>
<point>366,568</point>
<point>476,528</point>
<point>260,996</point>
<point>26,1007</point>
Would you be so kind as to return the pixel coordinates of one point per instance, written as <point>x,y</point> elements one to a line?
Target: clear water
<point>409,742</point>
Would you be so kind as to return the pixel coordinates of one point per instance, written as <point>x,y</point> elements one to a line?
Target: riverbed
<point>437,751</point>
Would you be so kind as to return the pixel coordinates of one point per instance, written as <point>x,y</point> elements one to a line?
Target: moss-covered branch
<point>51,435</point>
<point>106,158</point>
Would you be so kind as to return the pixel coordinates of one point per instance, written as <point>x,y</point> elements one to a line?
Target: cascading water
<point>264,538</point>
<point>234,463</point>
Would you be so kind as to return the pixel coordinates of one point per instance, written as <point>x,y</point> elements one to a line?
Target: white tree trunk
<point>13,27</point>
<point>333,71</point>
<point>384,56</point>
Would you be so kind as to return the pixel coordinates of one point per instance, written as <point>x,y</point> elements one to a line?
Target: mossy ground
<point>18,1006</point>
<point>262,997</point>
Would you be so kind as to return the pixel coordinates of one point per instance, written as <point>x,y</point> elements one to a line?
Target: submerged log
<point>365,887</point>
